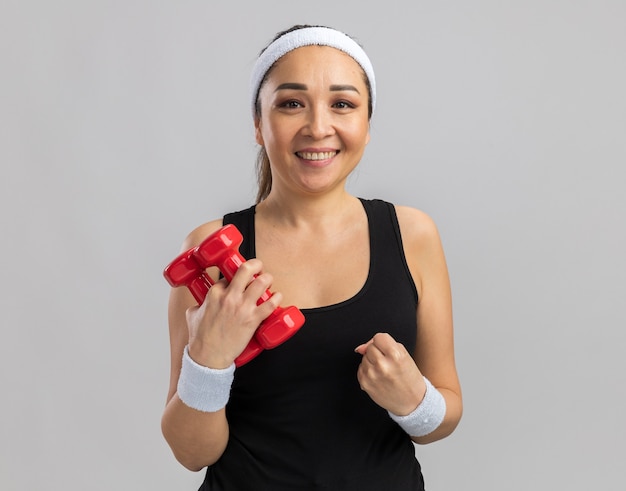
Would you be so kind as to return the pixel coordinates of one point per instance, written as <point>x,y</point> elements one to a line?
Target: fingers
<point>271,304</point>
<point>250,282</point>
<point>389,375</point>
<point>221,328</point>
<point>249,285</point>
<point>382,345</point>
<point>362,348</point>
<point>246,274</point>
<point>383,360</point>
<point>375,364</point>
<point>246,299</point>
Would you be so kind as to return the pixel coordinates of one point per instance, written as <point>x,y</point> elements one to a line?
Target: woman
<point>339,405</point>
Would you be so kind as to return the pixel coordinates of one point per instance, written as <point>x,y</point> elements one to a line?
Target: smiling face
<point>314,120</point>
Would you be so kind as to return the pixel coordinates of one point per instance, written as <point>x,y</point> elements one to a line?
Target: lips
<point>313,156</point>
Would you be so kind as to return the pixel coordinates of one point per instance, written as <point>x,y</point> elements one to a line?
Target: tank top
<point>298,418</point>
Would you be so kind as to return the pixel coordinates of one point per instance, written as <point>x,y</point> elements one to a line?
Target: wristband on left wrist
<point>426,417</point>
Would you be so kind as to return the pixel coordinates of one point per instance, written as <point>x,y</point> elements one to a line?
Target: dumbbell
<point>221,249</point>
<point>186,271</point>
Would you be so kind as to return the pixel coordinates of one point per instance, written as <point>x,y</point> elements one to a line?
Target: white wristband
<point>202,388</point>
<point>427,417</point>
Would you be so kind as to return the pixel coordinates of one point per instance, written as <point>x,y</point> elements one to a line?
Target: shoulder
<point>416,225</point>
<point>200,233</point>
<point>422,246</point>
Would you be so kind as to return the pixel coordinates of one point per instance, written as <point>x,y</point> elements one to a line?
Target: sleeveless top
<point>298,418</point>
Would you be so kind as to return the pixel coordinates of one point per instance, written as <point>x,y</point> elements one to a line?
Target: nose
<point>319,123</point>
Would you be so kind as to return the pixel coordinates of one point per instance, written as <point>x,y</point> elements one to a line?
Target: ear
<point>367,138</point>
<point>257,132</point>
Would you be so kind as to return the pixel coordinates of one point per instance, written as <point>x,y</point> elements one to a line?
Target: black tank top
<point>298,418</point>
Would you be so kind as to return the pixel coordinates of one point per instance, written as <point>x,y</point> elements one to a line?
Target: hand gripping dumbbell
<point>221,249</point>
<point>189,269</point>
<point>186,271</point>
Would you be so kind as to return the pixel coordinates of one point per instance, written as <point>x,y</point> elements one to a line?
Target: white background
<point>124,124</point>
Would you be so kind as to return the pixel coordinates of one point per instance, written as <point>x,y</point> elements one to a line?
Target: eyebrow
<point>297,86</point>
<point>291,86</point>
<point>341,88</point>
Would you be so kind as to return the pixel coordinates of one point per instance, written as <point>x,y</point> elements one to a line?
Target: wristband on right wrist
<point>202,388</point>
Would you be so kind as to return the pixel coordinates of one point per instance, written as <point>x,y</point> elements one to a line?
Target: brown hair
<point>263,169</point>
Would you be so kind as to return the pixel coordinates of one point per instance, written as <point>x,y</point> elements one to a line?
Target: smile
<point>316,155</point>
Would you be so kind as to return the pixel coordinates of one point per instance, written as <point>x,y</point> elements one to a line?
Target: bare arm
<point>197,439</point>
<point>216,332</point>
<point>391,375</point>
<point>434,354</point>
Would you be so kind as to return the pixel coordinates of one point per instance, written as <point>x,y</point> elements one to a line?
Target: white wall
<point>125,124</point>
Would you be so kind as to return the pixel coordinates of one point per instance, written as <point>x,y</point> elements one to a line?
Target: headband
<point>308,36</point>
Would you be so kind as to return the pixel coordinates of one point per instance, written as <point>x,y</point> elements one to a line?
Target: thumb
<point>362,348</point>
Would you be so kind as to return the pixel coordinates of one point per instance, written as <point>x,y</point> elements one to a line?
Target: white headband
<point>319,36</point>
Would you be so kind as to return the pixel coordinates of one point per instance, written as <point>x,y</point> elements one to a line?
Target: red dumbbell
<point>221,249</point>
<point>186,271</point>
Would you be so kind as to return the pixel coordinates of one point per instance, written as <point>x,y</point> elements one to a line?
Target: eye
<point>343,105</point>
<point>290,104</point>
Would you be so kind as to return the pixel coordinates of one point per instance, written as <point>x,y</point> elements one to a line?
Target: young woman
<point>339,405</point>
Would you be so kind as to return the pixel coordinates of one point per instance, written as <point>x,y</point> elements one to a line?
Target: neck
<point>307,211</point>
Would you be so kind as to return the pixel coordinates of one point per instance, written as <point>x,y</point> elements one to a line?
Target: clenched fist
<point>389,375</point>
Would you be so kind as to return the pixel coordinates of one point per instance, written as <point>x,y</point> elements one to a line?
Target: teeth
<point>316,155</point>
